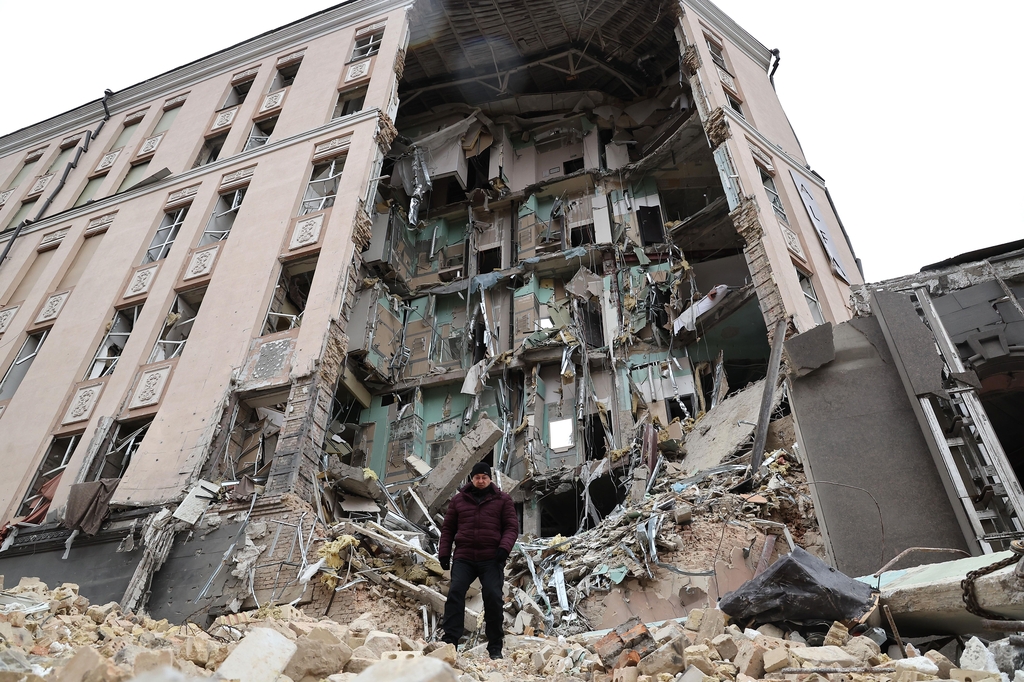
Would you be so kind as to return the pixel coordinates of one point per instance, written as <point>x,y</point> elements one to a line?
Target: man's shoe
<point>495,654</point>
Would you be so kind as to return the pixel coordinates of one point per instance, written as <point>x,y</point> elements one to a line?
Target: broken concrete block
<point>1009,657</point>
<point>712,624</point>
<point>864,649</point>
<point>100,612</point>
<point>976,656</point>
<point>358,664</point>
<point>625,674</point>
<point>151,660</point>
<point>260,657</point>
<point>693,619</point>
<point>698,656</point>
<point>448,653</point>
<point>726,646</point>
<point>450,473</point>
<point>822,657</point>
<point>837,635</point>
<point>944,664</point>
<point>362,651</point>
<point>962,675</point>
<point>89,664</point>
<point>668,631</point>
<point>316,657</point>
<point>750,659</point>
<point>775,659</point>
<point>423,669</point>
<point>400,655</point>
<point>379,642</point>
<point>665,659</point>
<point>627,659</point>
<point>682,514</point>
<point>693,674</point>
<point>608,648</point>
<point>769,630</point>
<point>194,649</point>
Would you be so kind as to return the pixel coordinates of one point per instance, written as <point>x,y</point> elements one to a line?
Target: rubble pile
<point>58,635</point>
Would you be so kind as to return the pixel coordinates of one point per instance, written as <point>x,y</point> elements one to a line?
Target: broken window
<point>812,298</point>
<point>735,104</point>
<point>773,195</point>
<point>19,368</point>
<point>594,443</point>
<point>488,260</point>
<point>285,76</point>
<point>260,133</point>
<point>47,476</point>
<point>572,165</point>
<point>561,434</point>
<point>368,41</point>
<point>211,150</point>
<point>593,326</point>
<point>165,235</point>
<point>290,296</point>
<point>125,442</point>
<point>223,217</point>
<point>238,93</point>
<point>349,102</point>
<point>323,185</point>
<point>253,436</point>
<point>135,175</point>
<point>716,52</point>
<point>342,433</point>
<point>651,230</point>
<point>118,331</point>
<point>177,325</point>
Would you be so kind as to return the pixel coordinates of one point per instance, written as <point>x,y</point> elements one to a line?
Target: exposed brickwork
<point>400,63</point>
<point>386,131</point>
<point>362,229</point>
<point>747,220</point>
<point>691,58</point>
<point>717,128</point>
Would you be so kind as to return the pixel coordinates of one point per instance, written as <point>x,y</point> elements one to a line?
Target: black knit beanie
<point>480,468</point>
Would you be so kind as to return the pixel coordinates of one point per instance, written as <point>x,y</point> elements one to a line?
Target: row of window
<point>367,44</point>
<point>285,310</point>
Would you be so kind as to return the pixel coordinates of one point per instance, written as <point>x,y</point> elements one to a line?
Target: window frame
<point>811,297</point>
<point>210,151</point>
<point>48,475</point>
<point>264,135</point>
<point>20,359</point>
<point>169,229</point>
<point>178,345</point>
<point>233,206</point>
<point>717,52</point>
<point>374,36</point>
<point>774,197</point>
<point>347,96</point>
<point>325,200</point>
<point>112,360</point>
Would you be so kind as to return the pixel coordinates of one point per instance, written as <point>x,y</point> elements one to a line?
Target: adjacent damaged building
<point>322,272</point>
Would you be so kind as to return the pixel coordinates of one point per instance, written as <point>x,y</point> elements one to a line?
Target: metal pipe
<point>911,550</point>
<point>1002,625</point>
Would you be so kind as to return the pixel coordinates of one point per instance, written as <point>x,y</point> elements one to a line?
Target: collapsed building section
<point>545,239</point>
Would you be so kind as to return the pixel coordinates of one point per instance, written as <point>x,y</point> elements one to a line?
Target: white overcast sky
<point>907,109</point>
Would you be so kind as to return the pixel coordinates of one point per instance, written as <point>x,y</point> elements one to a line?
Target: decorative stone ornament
<point>201,263</point>
<point>6,315</point>
<point>141,281</point>
<point>272,101</point>
<point>151,387</point>
<point>358,70</point>
<point>150,144</point>
<point>52,240</point>
<point>4,196</point>
<point>331,148</point>
<point>108,160</point>
<point>181,197</point>
<point>307,231</point>
<point>82,403</point>
<point>99,224</point>
<point>51,309</point>
<point>237,178</point>
<point>40,184</point>
<point>224,119</point>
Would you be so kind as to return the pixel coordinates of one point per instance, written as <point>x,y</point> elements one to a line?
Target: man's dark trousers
<point>492,576</point>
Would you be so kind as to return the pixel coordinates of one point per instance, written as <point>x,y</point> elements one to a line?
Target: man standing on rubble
<point>482,522</point>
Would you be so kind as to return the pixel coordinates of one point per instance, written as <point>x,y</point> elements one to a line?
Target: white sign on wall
<point>803,186</point>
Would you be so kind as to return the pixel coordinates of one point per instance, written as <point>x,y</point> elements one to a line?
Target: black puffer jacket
<point>479,525</point>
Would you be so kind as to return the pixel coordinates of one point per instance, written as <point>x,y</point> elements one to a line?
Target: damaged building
<point>319,274</point>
